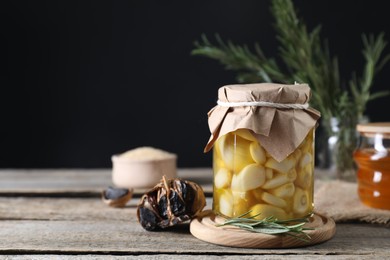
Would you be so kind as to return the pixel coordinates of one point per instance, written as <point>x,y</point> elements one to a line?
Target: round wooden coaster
<point>204,228</point>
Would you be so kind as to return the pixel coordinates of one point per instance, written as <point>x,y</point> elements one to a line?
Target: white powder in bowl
<point>147,153</point>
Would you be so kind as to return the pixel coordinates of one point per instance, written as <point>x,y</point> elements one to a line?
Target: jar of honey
<point>263,151</point>
<point>373,159</point>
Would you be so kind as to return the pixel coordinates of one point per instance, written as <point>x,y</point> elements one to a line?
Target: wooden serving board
<point>204,228</point>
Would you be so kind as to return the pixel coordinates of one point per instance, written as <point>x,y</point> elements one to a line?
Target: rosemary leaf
<point>270,231</point>
<point>270,225</point>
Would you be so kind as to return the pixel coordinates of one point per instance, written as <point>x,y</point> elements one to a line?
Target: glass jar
<point>247,178</point>
<point>263,154</point>
<point>373,159</point>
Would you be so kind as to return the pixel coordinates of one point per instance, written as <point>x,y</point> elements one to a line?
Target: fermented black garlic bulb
<point>156,211</point>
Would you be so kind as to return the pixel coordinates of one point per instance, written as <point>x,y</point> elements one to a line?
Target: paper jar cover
<point>279,130</point>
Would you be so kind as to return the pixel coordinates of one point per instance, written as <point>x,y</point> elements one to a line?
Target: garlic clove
<point>117,197</point>
<point>306,159</point>
<point>301,201</point>
<point>222,178</point>
<point>234,151</point>
<point>284,166</point>
<point>273,200</point>
<point>305,177</point>
<point>292,175</point>
<point>250,177</point>
<point>241,202</point>
<point>226,203</point>
<point>278,180</point>
<point>246,134</point>
<point>218,163</point>
<point>283,191</point>
<point>257,153</point>
<point>267,211</point>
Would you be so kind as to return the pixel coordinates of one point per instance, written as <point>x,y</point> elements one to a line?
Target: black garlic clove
<point>116,197</point>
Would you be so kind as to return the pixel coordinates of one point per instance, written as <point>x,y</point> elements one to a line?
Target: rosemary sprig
<point>270,225</point>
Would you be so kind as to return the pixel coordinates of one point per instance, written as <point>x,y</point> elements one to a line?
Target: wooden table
<point>59,214</point>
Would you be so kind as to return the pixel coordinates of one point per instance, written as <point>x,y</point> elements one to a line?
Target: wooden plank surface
<point>184,257</point>
<point>49,224</point>
<point>87,225</point>
<point>127,237</point>
<point>78,182</point>
<point>88,182</point>
<point>187,257</point>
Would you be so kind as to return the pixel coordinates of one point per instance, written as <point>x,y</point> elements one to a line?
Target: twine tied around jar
<point>262,104</point>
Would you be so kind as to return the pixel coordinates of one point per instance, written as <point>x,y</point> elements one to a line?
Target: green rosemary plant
<point>270,225</point>
<point>307,59</point>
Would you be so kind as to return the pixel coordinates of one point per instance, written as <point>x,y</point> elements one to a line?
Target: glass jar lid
<point>371,129</point>
<point>380,127</point>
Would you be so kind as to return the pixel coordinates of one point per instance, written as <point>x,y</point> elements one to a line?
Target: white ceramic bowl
<point>142,172</point>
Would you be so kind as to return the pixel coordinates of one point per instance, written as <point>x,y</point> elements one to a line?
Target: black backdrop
<point>82,80</point>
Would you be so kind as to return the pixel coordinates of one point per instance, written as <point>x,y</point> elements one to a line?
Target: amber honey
<point>374,177</point>
<point>373,159</point>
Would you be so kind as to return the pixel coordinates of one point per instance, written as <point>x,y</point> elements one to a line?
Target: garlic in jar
<point>287,191</point>
<point>263,156</point>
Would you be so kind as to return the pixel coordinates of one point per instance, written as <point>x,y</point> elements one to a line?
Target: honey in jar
<point>373,159</point>
<point>263,154</point>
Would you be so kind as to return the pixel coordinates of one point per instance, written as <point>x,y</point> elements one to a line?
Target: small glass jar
<point>373,159</point>
<point>247,178</point>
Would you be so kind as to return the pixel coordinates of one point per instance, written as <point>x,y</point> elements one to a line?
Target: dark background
<point>82,80</point>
